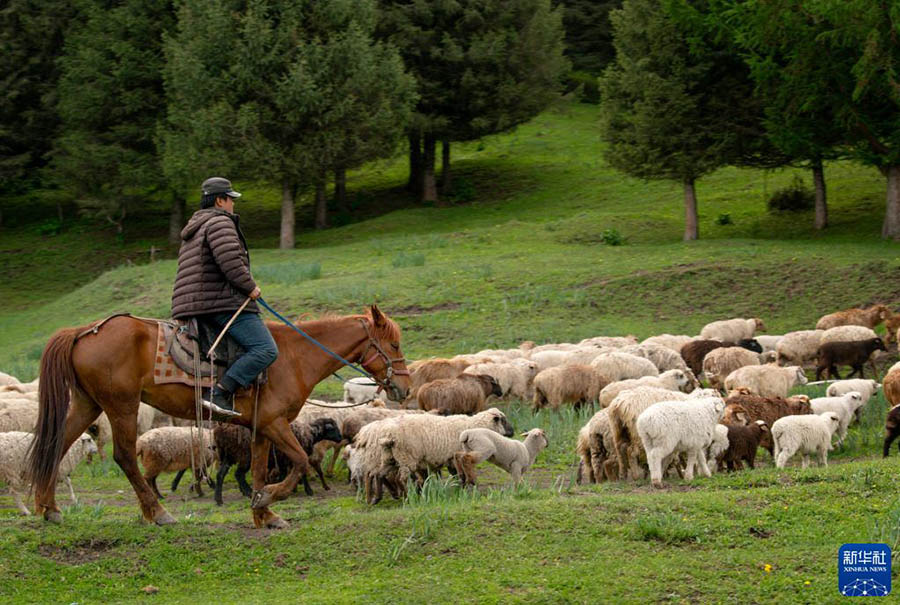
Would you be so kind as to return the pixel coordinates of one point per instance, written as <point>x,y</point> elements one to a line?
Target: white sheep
<point>721,362</point>
<point>616,342</point>
<point>732,330</point>
<point>363,389</point>
<point>14,446</point>
<point>669,428</point>
<point>503,354</point>
<point>576,384</point>
<point>847,334</point>
<point>844,406</point>
<point>799,348</point>
<point>864,386</point>
<point>6,379</point>
<point>596,449</point>
<point>21,387</point>
<point>616,366</point>
<point>416,443</point>
<point>515,457</point>
<point>168,448</point>
<point>804,434</point>
<point>672,380</point>
<point>19,414</point>
<point>673,341</point>
<point>662,357</point>
<point>717,447</point>
<point>768,380</point>
<point>768,342</point>
<point>514,377</point>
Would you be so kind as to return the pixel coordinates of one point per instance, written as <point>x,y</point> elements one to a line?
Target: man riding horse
<point>213,281</point>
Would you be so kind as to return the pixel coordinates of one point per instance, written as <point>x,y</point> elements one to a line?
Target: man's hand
<point>256,293</point>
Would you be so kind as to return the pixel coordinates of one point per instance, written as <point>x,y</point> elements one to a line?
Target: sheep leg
<point>823,456</point>
<point>805,463</point>
<point>654,461</point>
<point>82,413</point>
<point>71,490</point>
<point>689,466</point>
<point>515,472</point>
<point>319,472</point>
<point>220,479</point>
<point>307,489</point>
<point>704,467</point>
<point>177,479</point>
<point>610,469</point>
<point>834,372</point>
<point>889,437</point>
<point>198,481</point>
<point>19,504</point>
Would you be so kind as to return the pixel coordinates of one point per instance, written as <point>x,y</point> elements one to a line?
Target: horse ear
<point>377,316</point>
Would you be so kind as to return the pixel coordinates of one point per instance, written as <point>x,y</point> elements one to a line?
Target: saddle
<point>181,337</point>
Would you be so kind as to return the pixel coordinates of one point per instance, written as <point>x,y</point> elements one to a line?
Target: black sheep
<point>853,353</point>
<point>891,429</point>
<point>743,441</point>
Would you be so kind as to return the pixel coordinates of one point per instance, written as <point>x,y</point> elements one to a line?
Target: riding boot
<point>221,401</point>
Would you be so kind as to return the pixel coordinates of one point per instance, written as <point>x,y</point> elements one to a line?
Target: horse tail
<point>56,379</point>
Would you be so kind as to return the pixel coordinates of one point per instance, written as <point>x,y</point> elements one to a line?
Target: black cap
<point>217,184</point>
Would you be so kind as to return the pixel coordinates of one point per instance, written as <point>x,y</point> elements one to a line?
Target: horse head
<point>383,357</point>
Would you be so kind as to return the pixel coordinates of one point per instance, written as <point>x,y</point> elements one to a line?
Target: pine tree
<point>589,34</point>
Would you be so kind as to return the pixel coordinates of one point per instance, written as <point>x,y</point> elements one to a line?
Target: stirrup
<point>215,409</point>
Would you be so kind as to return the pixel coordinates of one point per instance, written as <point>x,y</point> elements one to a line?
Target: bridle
<point>365,359</point>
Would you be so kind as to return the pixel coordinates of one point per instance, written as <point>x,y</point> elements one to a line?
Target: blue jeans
<point>252,334</point>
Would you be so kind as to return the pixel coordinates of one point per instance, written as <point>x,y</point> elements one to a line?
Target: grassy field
<point>524,258</point>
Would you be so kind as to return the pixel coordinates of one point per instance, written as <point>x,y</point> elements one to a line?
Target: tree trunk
<point>340,189</point>
<point>691,229</point>
<point>445,168</point>
<point>414,185</point>
<point>287,215</point>
<point>821,198</point>
<point>176,219</point>
<point>429,185</point>
<point>321,205</point>
<point>891,227</point>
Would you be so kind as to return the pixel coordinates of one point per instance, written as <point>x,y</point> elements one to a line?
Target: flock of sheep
<point>654,414</point>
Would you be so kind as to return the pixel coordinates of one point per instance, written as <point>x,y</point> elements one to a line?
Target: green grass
<point>521,252</point>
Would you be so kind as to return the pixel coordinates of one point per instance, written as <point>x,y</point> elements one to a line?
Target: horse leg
<point>124,430</point>
<point>259,466</point>
<point>82,413</point>
<point>280,434</point>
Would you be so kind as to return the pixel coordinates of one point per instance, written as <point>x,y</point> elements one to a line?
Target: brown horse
<point>110,369</point>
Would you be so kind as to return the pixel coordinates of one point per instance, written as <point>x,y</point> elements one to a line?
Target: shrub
<point>795,198</point>
<point>462,191</point>
<point>724,219</point>
<point>612,237</point>
<point>585,85</point>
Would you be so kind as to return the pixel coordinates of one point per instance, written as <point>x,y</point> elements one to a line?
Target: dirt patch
<point>420,310</point>
<point>83,551</point>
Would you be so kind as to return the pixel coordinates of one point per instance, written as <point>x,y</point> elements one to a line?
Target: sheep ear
<point>523,434</point>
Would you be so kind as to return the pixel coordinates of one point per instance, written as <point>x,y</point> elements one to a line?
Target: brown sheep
<point>427,370</point>
<point>719,363</point>
<point>694,352</point>
<point>743,441</point>
<point>735,414</point>
<point>768,409</point>
<point>464,394</point>
<point>892,326</point>
<point>869,318</point>
<point>891,386</point>
<point>576,384</point>
<point>853,353</point>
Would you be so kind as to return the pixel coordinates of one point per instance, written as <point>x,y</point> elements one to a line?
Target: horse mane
<point>390,330</point>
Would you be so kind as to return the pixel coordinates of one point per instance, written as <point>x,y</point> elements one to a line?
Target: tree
<point>31,36</point>
<point>110,100</point>
<point>282,91</point>
<point>480,67</point>
<point>589,34</point>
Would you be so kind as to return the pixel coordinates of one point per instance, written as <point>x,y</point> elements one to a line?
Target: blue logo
<point>864,570</point>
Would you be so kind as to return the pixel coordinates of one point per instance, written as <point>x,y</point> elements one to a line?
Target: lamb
<point>668,428</point>
<point>719,363</point>
<point>768,380</point>
<point>732,330</point>
<point>339,414</point>
<point>596,449</point>
<point>514,377</point>
<point>169,448</point>
<point>464,394</point>
<point>232,445</point>
<point>673,380</point>
<point>847,334</point>
<point>844,406</point>
<point>804,435</point>
<point>853,354</point>
<point>865,387</point>
<point>515,457</point>
<point>748,408</point>
<point>891,429</point>
<point>662,357</point>
<point>623,412</point>
<point>421,442</point>
<point>717,447</point>
<point>743,441</point>
<point>799,348</point>
<point>102,430</point>
<point>672,341</point>
<point>869,318</point>
<point>425,371</point>
<point>578,384</point>
<point>622,366</point>
<point>363,389</point>
<point>14,446</point>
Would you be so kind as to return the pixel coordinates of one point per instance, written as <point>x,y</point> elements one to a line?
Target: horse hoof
<point>277,522</point>
<point>164,519</point>
<point>261,499</point>
<point>53,516</point>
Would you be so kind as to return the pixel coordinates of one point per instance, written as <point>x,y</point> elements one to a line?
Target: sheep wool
<point>669,428</point>
<point>19,414</point>
<point>576,384</point>
<point>844,406</point>
<point>465,394</point>
<point>672,341</point>
<point>847,334</point>
<point>672,380</point>
<point>662,357</point>
<point>732,330</point>
<point>14,446</point>
<point>622,366</point>
<point>767,380</point>
<point>799,348</point>
<point>721,362</point>
<point>168,449</point>
<point>514,377</point>
<point>515,457</point>
<point>805,435</point>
